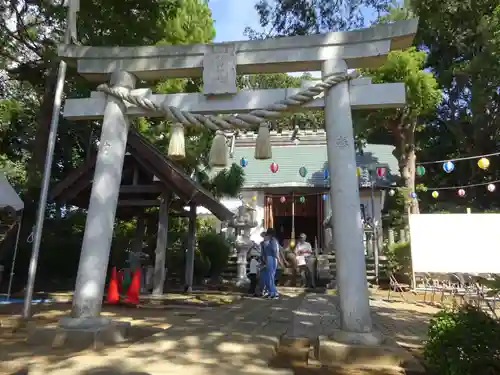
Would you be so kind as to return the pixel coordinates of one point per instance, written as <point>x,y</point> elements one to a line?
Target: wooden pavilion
<point>149,179</point>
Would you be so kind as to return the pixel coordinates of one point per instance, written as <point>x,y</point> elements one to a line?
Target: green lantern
<point>420,170</point>
<point>302,199</point>
<point>303,172</point>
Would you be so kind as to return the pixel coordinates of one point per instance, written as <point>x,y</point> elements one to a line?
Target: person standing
<point>263,269</point>
<point>305,261</point>
<point>252,275</point>
<point>271,253</point>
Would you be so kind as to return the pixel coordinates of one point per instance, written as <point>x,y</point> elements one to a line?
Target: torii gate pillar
<point>344,192</point>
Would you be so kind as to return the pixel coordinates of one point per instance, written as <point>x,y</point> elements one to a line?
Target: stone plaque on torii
<point>117,69</point>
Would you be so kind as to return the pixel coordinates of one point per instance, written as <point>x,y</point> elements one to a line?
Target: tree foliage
<point>306,17</point>
<point>404,124</point>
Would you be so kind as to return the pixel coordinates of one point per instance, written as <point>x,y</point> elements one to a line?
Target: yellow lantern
<point>358,171</point>
<point>483,163</point>
<point>254,198</point>
<point>435,194</point>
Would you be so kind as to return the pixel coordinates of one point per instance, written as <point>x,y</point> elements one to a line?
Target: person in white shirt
<point>252,275</point>
<point>305,261</point>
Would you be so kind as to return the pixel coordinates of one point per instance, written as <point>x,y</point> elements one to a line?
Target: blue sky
<point>231,17</point>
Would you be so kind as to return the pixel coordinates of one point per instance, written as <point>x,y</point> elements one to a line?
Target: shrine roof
<point>310,152</point>
<point>156,170</point>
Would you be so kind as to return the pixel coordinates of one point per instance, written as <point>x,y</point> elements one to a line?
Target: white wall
<point>461,243</point>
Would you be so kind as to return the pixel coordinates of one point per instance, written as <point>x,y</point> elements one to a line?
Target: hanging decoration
<point>491,188</point>
<point>483,163</point>
<point>420,171</point>
<point>461,192</point>
<point>413,195</point>
<point>302,199</point>
<point>324,197</point>
<point>325,173</point>
<point>274,167</point>
<point>381,172</point>
<point>254,198</point>
<point>269,200</point>
<point>435,194</point>
<point>358,171</point>
<point>448,167</point>
<point>282,199</point>
<point>392,192</point>
<point>303,172</point>
<point>243,162</point>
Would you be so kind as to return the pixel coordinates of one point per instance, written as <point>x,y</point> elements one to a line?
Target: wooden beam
<point>363,96</point>
<point>138,203</point>
<point>138,189</point>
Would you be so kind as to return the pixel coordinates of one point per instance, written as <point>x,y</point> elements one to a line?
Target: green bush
<point>399,258</point>
<point>463,341</point>
<point>216,249</point>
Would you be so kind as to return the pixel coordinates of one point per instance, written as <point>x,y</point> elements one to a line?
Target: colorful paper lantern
<point>491,188</point>
<point>392,192</point>
<point>413,195</point>
<point>435,194</point>
<point>324,197</point>
<point>274,167</point>
<point>303,172</point>
<point>243,162</point>
<point>461,192</point>
<point>448,167</point>
<point>302,199</point>
<point>483,163</point>
<point>326,174</point>
<point>254,198</point>
<point>381,172</point>
<point>282,199</point>
<point>420,171</point>
<point>358,171</point>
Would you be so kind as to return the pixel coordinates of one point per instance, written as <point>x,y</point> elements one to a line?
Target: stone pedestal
<point>241,276</point>
<point>80,333</point>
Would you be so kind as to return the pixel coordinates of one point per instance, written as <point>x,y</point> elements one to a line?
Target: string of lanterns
<point>490,186</point>
<point>448,167</point>
<point>274,167</point>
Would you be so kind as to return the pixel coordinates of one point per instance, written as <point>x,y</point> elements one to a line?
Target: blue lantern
<point>243,162</point>
<point>413,195</point>
<point>325,173</point>
<point>324,197</point>
<point>448,167</point>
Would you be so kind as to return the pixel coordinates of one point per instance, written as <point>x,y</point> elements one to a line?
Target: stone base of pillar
<point>80,333</point>
<point>364,350</point>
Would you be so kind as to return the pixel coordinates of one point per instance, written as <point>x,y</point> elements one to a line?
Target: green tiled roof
<point>314,158</point>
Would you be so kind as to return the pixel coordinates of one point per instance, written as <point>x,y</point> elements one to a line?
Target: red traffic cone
<point>134,288</point>
<point>113,296</point>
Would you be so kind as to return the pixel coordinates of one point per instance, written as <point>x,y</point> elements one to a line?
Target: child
<point>252,275</point>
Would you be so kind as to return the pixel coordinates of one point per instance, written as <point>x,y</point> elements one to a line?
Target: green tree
<point>403,124</point>
<point>306,17</point>
<point>462,39</point>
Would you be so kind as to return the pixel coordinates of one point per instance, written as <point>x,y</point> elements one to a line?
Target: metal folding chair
<point>396,286</point>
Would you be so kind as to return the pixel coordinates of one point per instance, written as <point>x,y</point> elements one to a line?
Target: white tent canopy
<point>8,196</point>
<point>230,203</point>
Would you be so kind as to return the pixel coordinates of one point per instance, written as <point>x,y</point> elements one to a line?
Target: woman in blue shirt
<point>270,252</point>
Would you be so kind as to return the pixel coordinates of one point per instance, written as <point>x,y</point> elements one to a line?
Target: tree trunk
<point>407,168</point>
<point>404,134</point>
<point>36,165</point>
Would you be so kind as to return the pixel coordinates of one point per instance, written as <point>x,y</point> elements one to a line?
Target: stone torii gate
<point>332,54</point>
